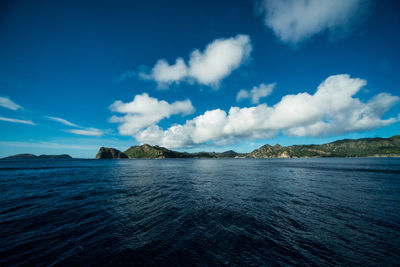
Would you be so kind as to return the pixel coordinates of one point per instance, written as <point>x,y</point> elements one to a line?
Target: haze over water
<point>200,212</point>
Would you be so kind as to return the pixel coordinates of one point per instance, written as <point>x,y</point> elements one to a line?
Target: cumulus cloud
<point>5,102</point>
<point>17,121</point>
<point>331,110</point>
<point>256,93</point>
<point>209,67</point>
<point>296,20</point>
<point>144,111</point>
<point>164,74</point>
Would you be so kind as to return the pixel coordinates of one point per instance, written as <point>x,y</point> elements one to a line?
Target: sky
<point>196,75</point>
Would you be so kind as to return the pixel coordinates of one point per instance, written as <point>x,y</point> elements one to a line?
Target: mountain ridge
<point>363,147</point>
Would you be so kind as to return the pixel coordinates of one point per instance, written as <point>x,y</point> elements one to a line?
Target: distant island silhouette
<point>32,156</point>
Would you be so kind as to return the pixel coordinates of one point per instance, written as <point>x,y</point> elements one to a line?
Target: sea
<point>200,212</point>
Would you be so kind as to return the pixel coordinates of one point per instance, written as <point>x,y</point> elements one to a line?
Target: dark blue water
<point>189,212</point>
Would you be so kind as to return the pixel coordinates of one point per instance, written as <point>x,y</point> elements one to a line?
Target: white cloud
<point>5,102</point>
<point>81,131</point>
<point>63,121</point>
<point>17,121</point>
<point>164,74</point>
<point>296,20</point>
<point>331,110</point>
<point>256,93</point>
<point>175,136</point>
<point>145,111</point>
<point>86,132</point>
<point>219,59</point>
<point>209,67</point>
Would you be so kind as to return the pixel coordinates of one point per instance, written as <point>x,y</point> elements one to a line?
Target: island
<point>364,147</point>
<point>157,152</point>
<point>32,156</point>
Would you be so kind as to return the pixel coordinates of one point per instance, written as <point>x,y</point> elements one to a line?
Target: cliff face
<point>110,153</point>
<point>365,147</point>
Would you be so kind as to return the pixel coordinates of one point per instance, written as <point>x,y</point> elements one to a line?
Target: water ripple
<point>197,212</point>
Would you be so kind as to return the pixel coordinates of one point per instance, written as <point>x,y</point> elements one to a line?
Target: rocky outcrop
<point>110,153</point>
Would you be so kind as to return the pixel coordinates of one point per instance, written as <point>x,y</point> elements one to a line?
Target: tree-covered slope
<point>365,147</point>
<point>148,151</point>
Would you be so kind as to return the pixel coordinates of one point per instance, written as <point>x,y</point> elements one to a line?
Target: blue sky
<point>204,75</point>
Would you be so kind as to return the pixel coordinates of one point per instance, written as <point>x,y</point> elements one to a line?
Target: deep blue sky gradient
<point>62,58</point>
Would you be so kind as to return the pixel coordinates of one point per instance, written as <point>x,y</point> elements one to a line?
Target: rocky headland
<point>110,153</point>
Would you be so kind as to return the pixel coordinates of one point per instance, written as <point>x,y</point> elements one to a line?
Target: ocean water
<point>192,212</point>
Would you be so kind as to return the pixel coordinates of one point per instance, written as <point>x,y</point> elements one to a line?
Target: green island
<point>364,147</point>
